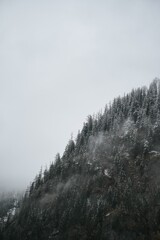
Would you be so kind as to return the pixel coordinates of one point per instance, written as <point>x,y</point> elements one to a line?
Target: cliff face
<point>106,184</point>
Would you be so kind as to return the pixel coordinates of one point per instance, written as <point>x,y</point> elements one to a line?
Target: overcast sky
<point>61,61</point>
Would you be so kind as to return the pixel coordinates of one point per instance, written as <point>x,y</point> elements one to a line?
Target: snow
<point>15,203</point>
<point>5,219</point>
<point>89,163</point>
<point>106,173</point>
<point>97,168</point>
<point>13,211</point>
<point>108,214</point>
<point>154,153</point>
<point>127,126</point>
<point>146,144</point>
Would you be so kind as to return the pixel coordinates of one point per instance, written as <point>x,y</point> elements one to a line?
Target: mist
<point>61,61</point>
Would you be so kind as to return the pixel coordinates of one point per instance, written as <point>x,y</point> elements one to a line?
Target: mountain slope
<point>106,184</point>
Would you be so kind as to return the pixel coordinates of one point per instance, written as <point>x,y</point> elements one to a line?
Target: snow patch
<point>89,163</point>
<point>108,214</point>
<point>106,173</point>
<point>154,153</point>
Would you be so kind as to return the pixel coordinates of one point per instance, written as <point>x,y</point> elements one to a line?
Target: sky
<point>61,60</point>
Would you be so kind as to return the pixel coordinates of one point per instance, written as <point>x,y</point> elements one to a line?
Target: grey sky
<point>61,61</point>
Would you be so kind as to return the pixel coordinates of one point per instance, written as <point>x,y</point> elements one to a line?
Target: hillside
<point>106,186</point>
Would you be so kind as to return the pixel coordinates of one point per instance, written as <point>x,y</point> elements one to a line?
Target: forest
<point>105,186</point>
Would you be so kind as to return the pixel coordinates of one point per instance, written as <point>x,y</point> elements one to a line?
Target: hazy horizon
<point>61,61</point>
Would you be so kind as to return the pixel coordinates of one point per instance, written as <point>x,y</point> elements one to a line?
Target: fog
<point>61,61</point>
